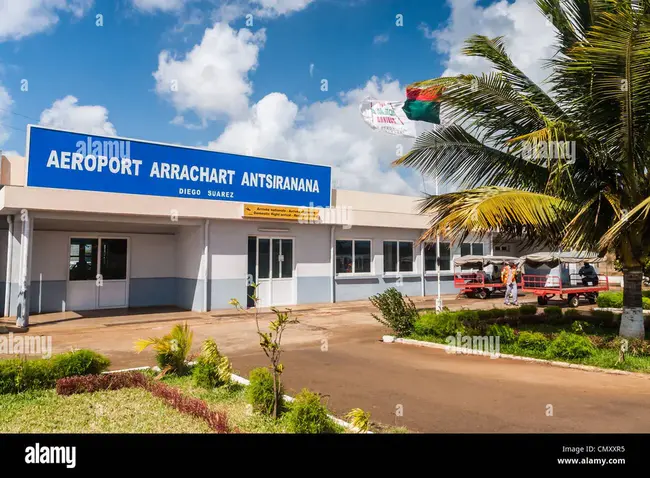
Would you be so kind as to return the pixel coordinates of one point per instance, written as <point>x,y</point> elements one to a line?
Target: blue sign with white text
<point>65,160</point>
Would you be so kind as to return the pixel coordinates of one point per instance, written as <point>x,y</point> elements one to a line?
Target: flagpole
<point>419,129</point>
<point>439,299</point>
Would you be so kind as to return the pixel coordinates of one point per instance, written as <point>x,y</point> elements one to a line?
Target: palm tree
<point>566,165</point>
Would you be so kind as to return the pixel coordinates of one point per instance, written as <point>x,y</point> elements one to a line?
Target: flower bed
<point>553,334</point>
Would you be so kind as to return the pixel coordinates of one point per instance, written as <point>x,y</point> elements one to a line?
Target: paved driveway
<point>336,351</point>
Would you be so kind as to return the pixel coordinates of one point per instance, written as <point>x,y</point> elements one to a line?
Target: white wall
<point>189,250</point>
<point>50,255</point>
<point>229,247</point>
<point>153,255</point>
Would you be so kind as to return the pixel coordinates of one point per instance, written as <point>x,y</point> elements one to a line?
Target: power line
<point>12,127</point>
<point>18,114</point>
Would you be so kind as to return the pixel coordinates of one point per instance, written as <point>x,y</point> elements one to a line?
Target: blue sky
<point>249,89</point>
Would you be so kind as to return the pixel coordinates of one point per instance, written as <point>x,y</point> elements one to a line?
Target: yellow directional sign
<point>282,213</point>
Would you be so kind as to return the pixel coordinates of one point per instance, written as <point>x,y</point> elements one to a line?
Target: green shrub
<point>572,313</point>
<point>614,300</point>
<point>441,325</point>
<point>467,317</point>
<point>515,312</point>
<point>570,346</point>
<point>535,341</point>
<point>528,309</point>
<point>41,374</point>
<point>171,349</point>
<point>308,415</point>
<point>498,313</point>
<point>610,300</point>
<point>605,318</point>
<point>553,311</point>
<point>260,391</point>
<point>397,312</point>
<point>19,375</point>
<point>484,315</point>
<point>504,332</point>
<point>205,375</point>
<point>645,293</point>
<point>9,370</point>
<point>79,362</point>
<point>555,316</point>
<point>580,327</point>
<point>212,369</point>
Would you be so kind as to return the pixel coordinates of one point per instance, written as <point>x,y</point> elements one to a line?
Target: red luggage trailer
<point>478,283</point>
<point>546,287</point>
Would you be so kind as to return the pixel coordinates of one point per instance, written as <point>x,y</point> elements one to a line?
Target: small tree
<point>397,312</point>
<point>271,341</point>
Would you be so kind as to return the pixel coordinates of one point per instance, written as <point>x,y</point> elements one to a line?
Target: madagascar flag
<point>422,105</point>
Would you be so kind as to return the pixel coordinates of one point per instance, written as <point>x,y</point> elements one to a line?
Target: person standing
<point>509,278</point>
<point>589,274</point>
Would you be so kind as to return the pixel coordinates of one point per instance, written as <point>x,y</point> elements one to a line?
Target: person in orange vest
<point>509,279</point>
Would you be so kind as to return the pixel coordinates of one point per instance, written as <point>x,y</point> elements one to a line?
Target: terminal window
<point>430,256</point>
<point>398,256</point>
<point>353,256</point>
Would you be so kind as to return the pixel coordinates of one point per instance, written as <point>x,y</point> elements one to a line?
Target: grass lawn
<point>119,411</point>
<point>602,357</point>
<point>134,410</point>
<point>232,400</point>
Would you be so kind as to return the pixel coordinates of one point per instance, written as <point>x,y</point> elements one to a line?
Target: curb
<point>464,351</point>
<point>244,381</point>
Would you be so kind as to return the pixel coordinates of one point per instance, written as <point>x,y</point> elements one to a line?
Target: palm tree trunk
<point>632,319</point>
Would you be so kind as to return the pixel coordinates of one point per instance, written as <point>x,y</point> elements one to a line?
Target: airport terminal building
<point>98,223</point>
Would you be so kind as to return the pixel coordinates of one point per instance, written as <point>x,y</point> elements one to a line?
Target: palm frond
<point>494,50</point>
<point>458,157</point>
<point>159,344</point>
<point>487,105</point>
<point>637,217</point>
<point>511,212</point>
<point>210,351</point>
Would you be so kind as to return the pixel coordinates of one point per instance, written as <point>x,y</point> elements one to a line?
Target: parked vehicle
<point>477,282</point>
<point>564,280</point>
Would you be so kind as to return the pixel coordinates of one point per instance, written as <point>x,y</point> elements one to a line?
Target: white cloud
<point>67,114</point>
<point>230,10</point>
<point>20,18</point>
<point>529,38</point>
<point>272,8</point>
<point>150,6</point>
<point>329,133</point>
<point>379,39</point>
<point>5,107</point>
<point>311,70</point>
<point>212,79</point>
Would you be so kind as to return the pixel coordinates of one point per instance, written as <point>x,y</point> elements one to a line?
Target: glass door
<point>82,274</point>
<point>113,283</point>
<point>274,273</point>
<point>97,275</point>
<point>282,272</point>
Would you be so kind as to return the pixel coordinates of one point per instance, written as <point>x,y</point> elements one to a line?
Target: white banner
<point>387,116</point>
